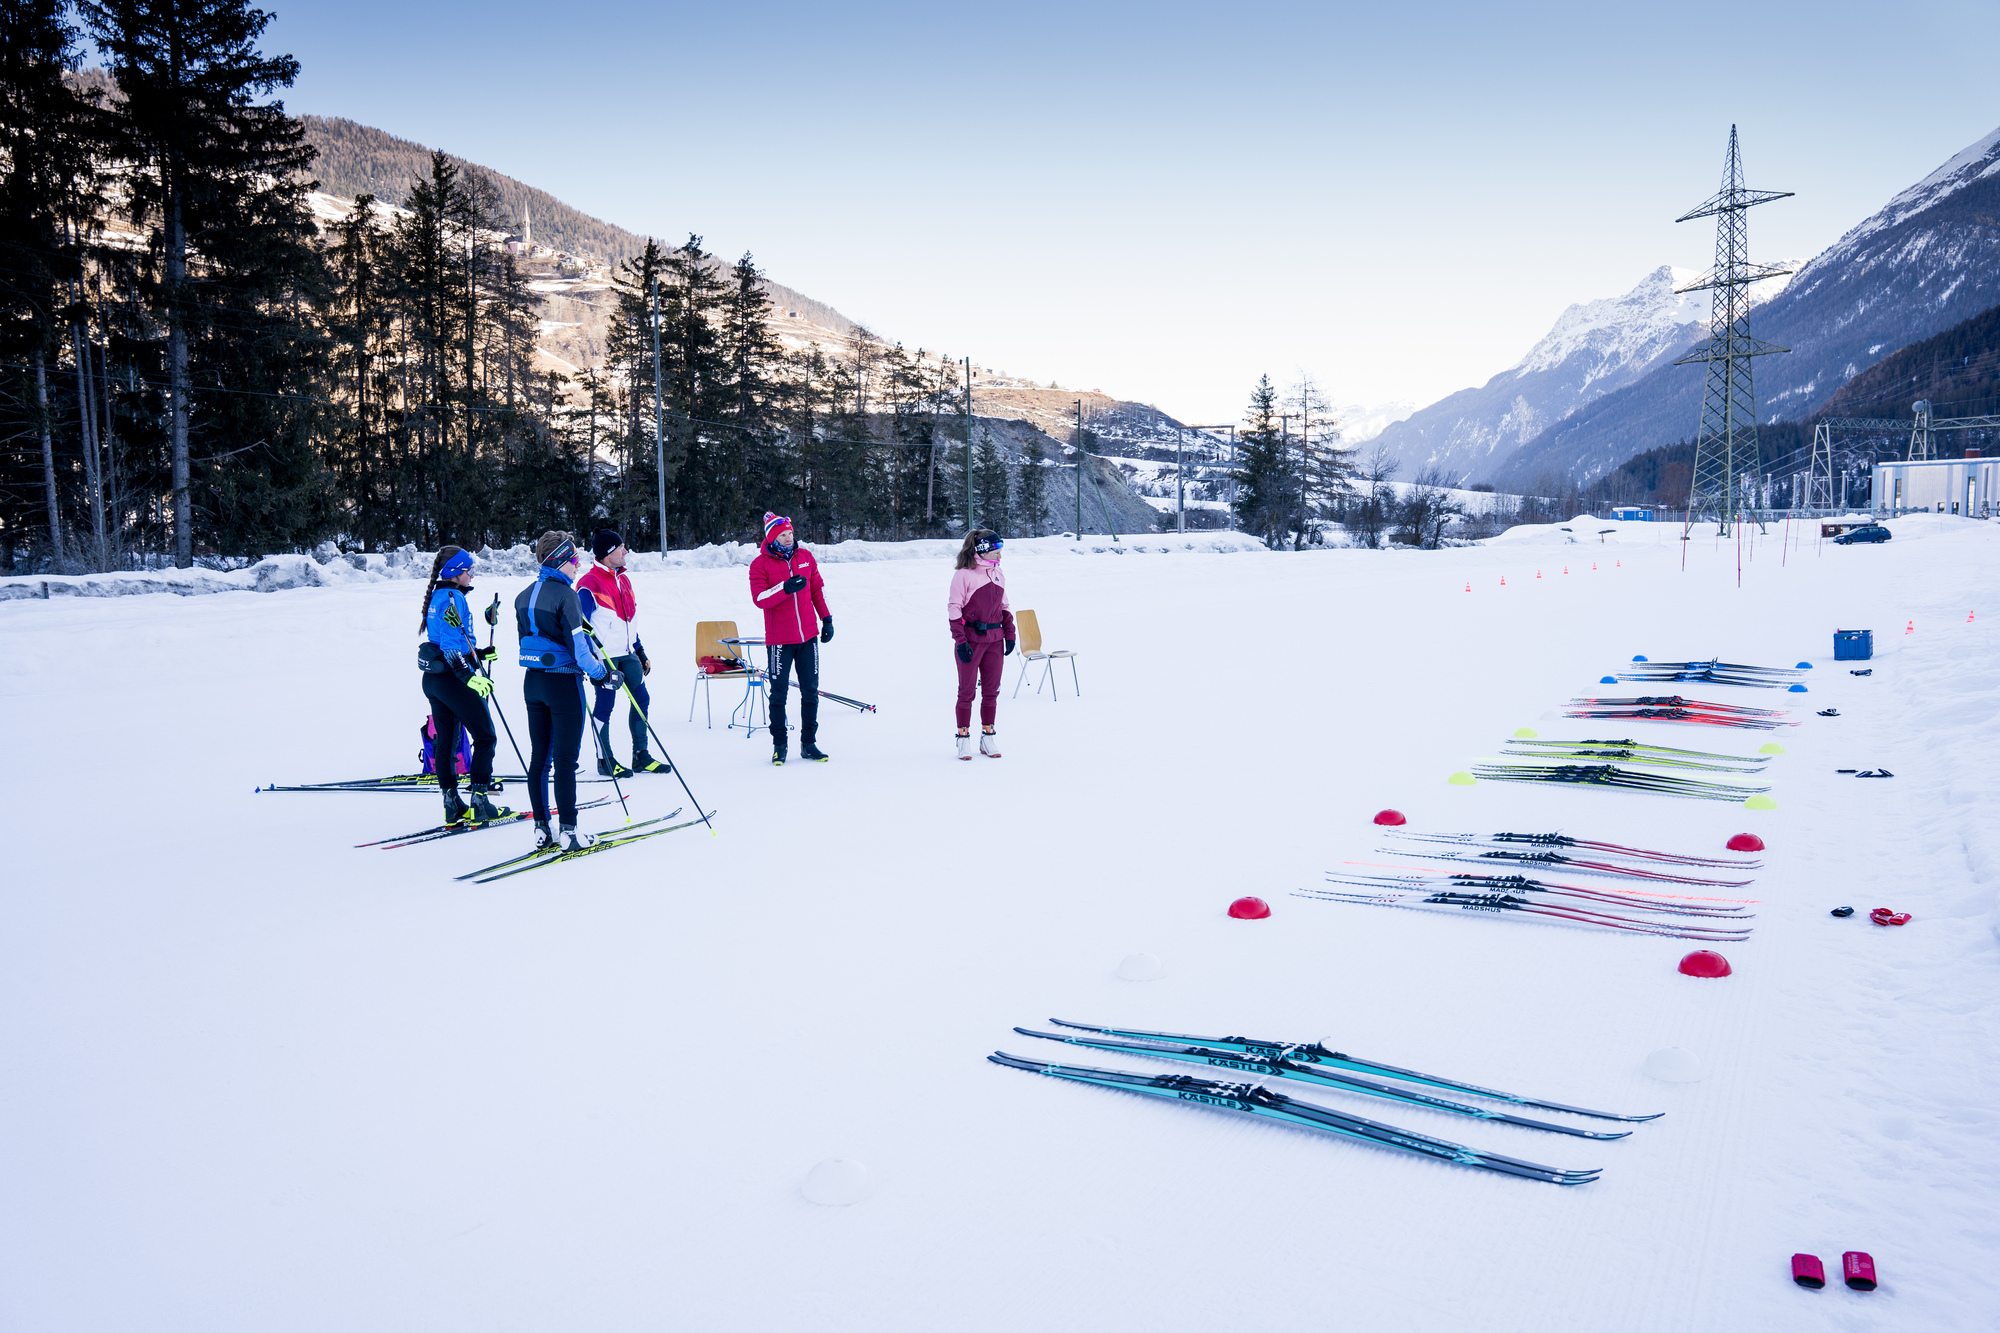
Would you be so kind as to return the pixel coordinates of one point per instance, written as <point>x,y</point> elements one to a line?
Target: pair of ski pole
<point>493,627</point>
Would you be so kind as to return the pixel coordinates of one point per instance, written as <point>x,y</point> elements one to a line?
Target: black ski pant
<point>454,705</point>
<point>780,659</point>
<point>607,700</point>
<point>555,733</point>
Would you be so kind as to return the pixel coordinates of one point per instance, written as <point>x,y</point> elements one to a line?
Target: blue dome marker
<point>1640,658</point>
<point>1805,666</point>
<point>1607,680</point>
<point>1798,689</point>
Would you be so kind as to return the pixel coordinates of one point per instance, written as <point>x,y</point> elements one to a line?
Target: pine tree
<point>1268,499</point>
<point>50,192</point>
<point>1032,491</point>
<point>218,183</point>
<point>995,495</point>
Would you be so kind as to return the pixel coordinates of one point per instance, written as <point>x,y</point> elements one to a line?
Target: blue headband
<point>455,566</point>
<point>561,556</point>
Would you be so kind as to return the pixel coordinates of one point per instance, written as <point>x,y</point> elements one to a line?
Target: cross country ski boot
<point>965,745</point>
<point>989,744</point>
<point>569,840</point>
<point>810,750</point>
<point>545,841</point>
<point>643,762</point>
<point>483,809</point>
<point>778,755</point>
<point>454,809</point>
<point>607,763</point>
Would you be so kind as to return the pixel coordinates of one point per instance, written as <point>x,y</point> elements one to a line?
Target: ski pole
<point>493,628</point>
<point>630,699</point>
<point>596,745</point>
<point>855,704</point>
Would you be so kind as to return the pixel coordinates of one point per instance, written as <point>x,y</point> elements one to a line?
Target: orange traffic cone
<point>1912,629</point>
<point>1968,617</point>
<point>1593,566</point>
<point>1468,587</point>
<point>1565,569</point>
<point>1503,580</point>
<point>1538,573</point>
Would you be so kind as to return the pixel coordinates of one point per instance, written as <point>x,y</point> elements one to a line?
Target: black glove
<point>645,664</point>
<point>1007,646</point>
<point>486,654</point>
<point>611,679</point>
<point>826,630</point>
<point>965,652</point>
<point>795,582</point>
<point>493,611</point>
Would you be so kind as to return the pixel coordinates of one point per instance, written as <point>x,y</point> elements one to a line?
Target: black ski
<point>465,826</point>
<point>1253,1100</point>
<point>1279,1067</point>
<point>1313,1053</point>
<point>535,855</point>
<point>603,844</point>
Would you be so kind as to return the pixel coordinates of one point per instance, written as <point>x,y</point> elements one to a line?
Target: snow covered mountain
<point>1594,348</point>
<point>1929,259</point>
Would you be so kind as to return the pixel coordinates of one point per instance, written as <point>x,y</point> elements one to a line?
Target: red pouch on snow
<point>1808,1271</point>
<point>1858,1268</point>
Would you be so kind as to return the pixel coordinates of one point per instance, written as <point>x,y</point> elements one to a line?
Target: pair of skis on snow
<point>1674,708</point>
<point>401,782</point>
<point>1639,905</point>
<point>1711,673</point>
<point>624,837</point>
<point>1313,1063</point>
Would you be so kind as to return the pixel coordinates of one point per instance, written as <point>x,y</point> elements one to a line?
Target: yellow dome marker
<point>1770,747</point>
<point>1760,803</point>
<point>1526,732</point>
<point>1461,779</point>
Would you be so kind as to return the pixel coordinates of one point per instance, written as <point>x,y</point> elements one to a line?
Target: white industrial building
<point>1968,486</point>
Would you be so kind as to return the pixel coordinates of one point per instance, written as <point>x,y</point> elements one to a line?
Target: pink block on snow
<point>1858,1269</point>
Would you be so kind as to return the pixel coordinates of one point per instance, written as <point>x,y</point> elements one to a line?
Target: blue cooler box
<point>1853,645</point>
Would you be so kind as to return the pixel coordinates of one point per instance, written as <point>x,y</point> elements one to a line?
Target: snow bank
<point>327,567</point>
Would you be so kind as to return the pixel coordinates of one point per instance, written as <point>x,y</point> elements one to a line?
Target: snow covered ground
<point>258,1079</point>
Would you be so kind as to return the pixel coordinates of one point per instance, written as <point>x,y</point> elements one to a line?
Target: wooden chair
<point>1030,630</point>
<point>709,650</point>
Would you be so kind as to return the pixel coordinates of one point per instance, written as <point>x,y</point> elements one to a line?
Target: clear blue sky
<point>1163,201</point>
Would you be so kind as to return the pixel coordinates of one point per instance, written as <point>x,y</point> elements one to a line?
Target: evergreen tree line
<point>190,365</point>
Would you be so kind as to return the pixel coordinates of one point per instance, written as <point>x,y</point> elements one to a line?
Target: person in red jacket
<point>982,628</point>
<point>612,608</point>
<point>785,584</point>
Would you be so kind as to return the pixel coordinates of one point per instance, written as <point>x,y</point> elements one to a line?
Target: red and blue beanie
<point>772,522</point>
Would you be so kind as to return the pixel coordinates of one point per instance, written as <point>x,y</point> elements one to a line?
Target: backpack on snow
<point>427,733</point>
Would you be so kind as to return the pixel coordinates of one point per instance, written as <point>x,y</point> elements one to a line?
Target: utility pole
<point>659,434</point>
<point>968,444</point>
<point>1725,452</point>
<point>1180,482</point>
<point>1079,469</point>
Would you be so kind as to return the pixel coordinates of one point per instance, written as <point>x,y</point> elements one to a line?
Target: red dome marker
<point>1390,817</point>
<point>1249,909</point>
<point>1705,963</point>
<point>1746,842</point>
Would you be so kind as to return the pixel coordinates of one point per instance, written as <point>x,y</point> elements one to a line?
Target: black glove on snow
<point>826,630</point>
<point>1006,647</point>
<point>965,652</point>
<point>795,582</point>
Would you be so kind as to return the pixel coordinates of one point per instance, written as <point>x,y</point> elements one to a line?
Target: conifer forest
<point>193,367</point>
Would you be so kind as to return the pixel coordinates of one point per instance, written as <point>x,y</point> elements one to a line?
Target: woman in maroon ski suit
<point>982,627</point>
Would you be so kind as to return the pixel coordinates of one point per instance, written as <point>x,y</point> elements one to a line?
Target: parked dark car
<point>1874,532</point>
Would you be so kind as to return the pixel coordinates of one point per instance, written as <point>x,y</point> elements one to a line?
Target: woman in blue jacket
<point>556,654</point>
<point>450,656</point>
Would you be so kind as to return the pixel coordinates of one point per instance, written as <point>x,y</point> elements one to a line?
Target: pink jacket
<point>617,611</point>
<point>789,617</point>
<point>979,594</point>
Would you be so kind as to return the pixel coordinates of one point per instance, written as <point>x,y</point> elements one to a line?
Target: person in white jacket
<point>613,611</point>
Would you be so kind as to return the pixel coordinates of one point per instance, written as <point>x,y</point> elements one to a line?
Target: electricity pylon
<point>1726,466</point>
